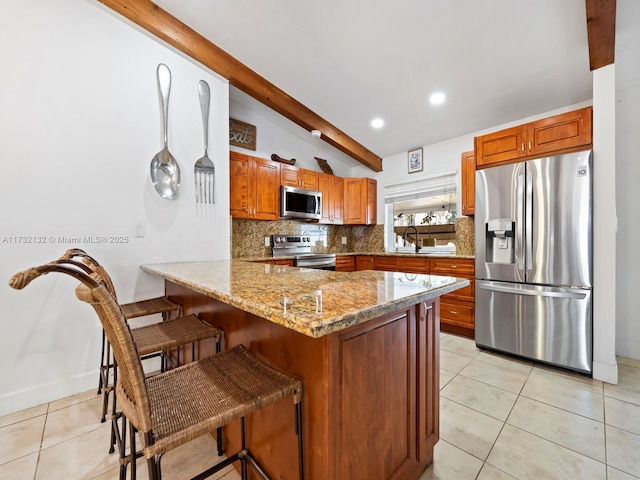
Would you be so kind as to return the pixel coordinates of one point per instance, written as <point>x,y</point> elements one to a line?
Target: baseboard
<point>30,397</point>
<point>605,373</point>
<point>15,401</point>
<point>628,349</point>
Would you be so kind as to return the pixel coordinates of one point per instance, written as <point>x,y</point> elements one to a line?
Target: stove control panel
<point>290,245</point>
<point>291,240</point>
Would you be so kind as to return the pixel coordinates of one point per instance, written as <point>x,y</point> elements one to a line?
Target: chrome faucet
<point>404,236</point>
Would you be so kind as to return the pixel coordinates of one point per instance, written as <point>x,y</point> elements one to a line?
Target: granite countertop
<point>313,302</point>
<point>375,254</point>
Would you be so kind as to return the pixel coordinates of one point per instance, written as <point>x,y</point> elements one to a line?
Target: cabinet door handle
<point>426,309</point>
<point>522,147</point>
<point>529,146</point>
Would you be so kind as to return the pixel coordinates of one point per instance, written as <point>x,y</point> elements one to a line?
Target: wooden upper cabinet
<point>500,146</point>
<point>298,177</point>
<point>254,187</point>
<point>372,202</point>
<point>563,133</point>
<point>560,132</point>
<point>332,189</point>
<point>468,178</point>
<point>360,201</point>
<point>239,168</point>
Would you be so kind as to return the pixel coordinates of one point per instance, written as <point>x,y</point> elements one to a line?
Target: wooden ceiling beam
<point>601,30</point>
<point>160,23</point>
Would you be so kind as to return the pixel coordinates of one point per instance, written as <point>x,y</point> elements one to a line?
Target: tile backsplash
<point>247,236</point>
<point>465,236</point>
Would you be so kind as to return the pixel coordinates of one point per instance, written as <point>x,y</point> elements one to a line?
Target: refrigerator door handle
<point>528,214</point>
<point>520,232</point>
<point>535,293</point>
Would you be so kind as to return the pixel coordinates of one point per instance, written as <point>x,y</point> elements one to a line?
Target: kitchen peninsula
<point>365,344</point>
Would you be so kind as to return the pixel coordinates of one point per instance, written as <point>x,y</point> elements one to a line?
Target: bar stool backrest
<point>135,402</point>
<point>93,264</point>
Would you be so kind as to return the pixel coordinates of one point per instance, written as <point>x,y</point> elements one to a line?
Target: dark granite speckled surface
<point>312,302</point>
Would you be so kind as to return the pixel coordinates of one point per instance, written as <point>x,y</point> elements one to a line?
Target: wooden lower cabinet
<point>389,264</point>
<point>414,264</point>
<point>345,263</point>
<point>457,311</point>
<point>402,264</point>
<point>396,353</point>
<point>285,262</point>
<point>364,262</point>
<point>370,405</point>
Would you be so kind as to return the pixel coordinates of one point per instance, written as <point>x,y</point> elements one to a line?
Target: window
<point>432,200</point>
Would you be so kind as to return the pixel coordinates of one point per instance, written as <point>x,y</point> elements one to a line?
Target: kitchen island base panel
<point>370,405</point>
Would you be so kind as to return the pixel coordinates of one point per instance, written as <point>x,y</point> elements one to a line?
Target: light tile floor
<point>501,419</point>
<point>504,418</point>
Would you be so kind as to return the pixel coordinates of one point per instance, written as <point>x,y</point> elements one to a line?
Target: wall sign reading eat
<point>242,134</point>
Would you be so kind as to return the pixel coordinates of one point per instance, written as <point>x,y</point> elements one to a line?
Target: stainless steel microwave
<point>299,203</point>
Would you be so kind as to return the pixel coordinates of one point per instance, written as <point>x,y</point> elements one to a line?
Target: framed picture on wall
<point>415,160</point>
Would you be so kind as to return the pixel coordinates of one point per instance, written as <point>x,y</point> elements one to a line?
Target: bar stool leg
<point>132,441</point>
<point>101,381</point>
<point>298,413</point>
<point>123,446</point>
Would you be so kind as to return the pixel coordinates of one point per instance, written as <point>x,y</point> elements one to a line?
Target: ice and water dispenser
<point>500,234</point>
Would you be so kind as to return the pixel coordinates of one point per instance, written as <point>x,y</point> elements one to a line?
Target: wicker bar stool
<point>169,409</point>
<point>142,308</point>
<point>151,340</point>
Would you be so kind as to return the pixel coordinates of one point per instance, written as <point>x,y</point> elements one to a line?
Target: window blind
<point>443,183</point>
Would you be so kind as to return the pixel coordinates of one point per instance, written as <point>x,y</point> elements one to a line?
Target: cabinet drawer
<point>385,263</point>
<point>364,262</point>
<point>345,264</point>
<point>457,313</point>
<point>413,265</point>
<point>452,266</point>
<point>466,294</point>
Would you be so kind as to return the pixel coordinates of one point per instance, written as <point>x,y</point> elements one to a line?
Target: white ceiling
<point>497,61</point>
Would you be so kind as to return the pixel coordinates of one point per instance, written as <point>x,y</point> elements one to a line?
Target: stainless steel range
<point>299,247</point>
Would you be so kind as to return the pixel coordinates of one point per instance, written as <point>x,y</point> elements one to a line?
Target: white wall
<point>276,134</point>
<point>439,157</point>
<point>628,253</point>
<point>627,300</point>
<point>80,123</point>
<point>604,220</point>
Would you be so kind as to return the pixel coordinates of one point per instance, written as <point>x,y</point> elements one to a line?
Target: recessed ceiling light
<point>437,98</point>
<point>377,123</point>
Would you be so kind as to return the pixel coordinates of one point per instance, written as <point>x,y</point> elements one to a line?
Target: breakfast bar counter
<point>364,343</point>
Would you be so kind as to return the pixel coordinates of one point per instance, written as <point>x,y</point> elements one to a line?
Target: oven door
<point>319,262</point>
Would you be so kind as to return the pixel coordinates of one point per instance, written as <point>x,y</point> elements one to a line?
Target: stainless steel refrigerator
<point>533,224</point>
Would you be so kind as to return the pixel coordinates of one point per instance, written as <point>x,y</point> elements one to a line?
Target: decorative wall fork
<point>204,171</point>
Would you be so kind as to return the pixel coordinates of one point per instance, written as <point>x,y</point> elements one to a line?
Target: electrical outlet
<point>344,240</point>
<point>140,229</point>
<point>267,242</point>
